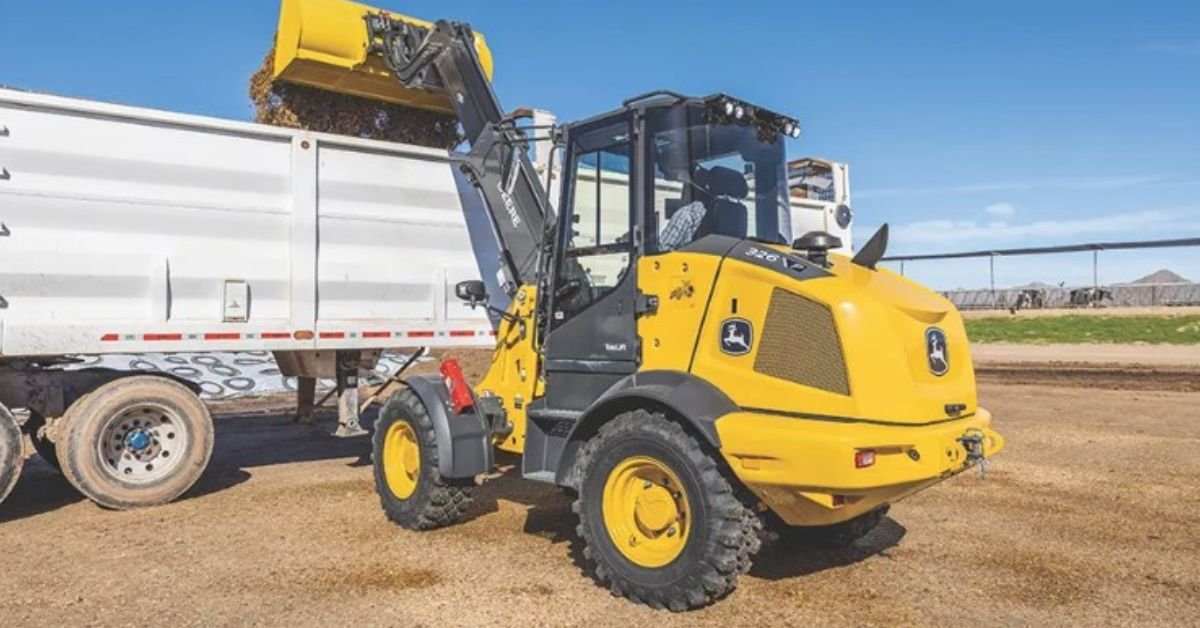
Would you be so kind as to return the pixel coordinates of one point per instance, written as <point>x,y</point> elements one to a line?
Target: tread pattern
<point>44,446</point>
<point>12,457</point>
<point>733,528</point>
<point>74,446</point>
<point>838,535</point>
<point>438,502</point>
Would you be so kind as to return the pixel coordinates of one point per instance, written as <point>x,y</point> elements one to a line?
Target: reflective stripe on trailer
<point>283,335</point>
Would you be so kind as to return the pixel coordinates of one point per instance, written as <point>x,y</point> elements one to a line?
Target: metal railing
<point>1117,295</point>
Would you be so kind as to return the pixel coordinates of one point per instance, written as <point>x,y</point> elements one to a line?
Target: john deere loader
<point>667,356</point>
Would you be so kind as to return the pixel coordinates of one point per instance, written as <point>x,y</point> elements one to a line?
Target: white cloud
<point>1002,210</point>
<point>1059,183</point>
<point>962,234</point>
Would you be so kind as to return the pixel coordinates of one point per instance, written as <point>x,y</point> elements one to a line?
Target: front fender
<point>463,440</point>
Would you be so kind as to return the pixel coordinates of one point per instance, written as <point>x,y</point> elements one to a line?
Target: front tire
<point>135,442</point>
<point>12,456</point>
<point>411,490</point>
<point>660,524</point>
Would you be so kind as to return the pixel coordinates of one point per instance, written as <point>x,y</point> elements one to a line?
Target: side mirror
<point>472,291</point>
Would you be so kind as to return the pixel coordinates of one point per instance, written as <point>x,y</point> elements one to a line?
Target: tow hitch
<point>972,441</point>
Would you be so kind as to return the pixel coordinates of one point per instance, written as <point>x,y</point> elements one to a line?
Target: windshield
<point>715,178</point>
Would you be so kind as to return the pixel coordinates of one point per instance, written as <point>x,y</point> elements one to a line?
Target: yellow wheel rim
<point>646,511</point>
<point>401,459</point>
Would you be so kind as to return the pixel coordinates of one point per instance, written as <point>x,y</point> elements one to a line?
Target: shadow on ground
<point>549,516</point>
<point>242,443</point>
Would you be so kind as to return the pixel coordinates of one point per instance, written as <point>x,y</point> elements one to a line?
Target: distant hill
<point>1037,285</point>
<point>1160,276</point>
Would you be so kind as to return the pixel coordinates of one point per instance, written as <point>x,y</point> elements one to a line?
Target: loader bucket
<point>324,44</point>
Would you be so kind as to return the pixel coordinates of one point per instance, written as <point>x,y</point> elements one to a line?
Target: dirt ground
<point>1105,366</point>
<point>1089,517</point>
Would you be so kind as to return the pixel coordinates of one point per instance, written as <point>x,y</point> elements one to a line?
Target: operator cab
<point>655,176</point>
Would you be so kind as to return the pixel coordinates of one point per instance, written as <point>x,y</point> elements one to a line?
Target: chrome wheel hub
<point>142,443</point>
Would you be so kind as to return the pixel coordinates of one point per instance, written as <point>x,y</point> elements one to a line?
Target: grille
<point>800,344</point>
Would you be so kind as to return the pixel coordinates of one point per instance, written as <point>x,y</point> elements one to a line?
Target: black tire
<point>723,536</point>
<point>436,501</point>
<point>81,436</point>
<point>12,454</point>
<point>44,446</point>
<point>838,535</point>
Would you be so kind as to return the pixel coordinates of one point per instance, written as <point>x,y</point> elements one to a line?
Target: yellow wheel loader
<point>667,355</point>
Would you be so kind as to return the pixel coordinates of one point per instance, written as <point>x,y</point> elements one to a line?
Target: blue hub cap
<point>138,440</point>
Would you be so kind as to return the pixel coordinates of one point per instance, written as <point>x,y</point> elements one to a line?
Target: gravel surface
<point>1089,517</point>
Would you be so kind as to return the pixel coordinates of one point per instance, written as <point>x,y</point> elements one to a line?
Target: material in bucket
<point>325,44</point>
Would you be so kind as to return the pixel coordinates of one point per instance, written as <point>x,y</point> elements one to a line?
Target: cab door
<point>592,339</point>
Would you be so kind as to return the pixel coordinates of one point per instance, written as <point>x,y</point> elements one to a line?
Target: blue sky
<point>967,125</point>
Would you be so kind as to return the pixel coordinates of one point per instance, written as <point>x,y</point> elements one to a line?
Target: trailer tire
<point>44,446</point>
<point>660,523</point>
<point>135,442</point>
<point>411,489</point>
<point>12,454</point>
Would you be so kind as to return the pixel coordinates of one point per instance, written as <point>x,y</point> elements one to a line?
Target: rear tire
<point>411,490</point>
<point>12,454</point>
<point>838,535</point>
<point>674,537</point>
<point>135,442</point>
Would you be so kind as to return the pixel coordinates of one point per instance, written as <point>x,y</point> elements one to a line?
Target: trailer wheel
<point>12,456</point>
<point>135,442</point>
<point>411,490</point>
<point>660,524</point>
<point>44,446</point>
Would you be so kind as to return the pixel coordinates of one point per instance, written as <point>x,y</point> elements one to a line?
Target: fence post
<point>992,273</point>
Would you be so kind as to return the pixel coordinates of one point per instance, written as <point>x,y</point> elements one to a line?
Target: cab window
<point>598,246</point>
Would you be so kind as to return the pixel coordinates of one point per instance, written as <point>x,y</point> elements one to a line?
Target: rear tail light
<point>864,458</point>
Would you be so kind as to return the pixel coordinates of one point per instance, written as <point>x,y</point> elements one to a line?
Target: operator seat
<point>728,215</point>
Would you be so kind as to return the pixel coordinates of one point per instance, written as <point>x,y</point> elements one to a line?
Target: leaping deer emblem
<point>937,352</point>
<point>733,338</point>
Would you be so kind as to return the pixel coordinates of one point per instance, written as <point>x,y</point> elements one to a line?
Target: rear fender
<point>680,395</point>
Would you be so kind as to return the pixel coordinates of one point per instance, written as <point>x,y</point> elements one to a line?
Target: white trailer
<point>125,230</point>
<point>128,230</point>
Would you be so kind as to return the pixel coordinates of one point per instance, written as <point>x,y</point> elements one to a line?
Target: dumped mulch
<point>312,109</point>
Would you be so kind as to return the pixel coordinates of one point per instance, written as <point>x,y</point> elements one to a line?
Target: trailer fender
<point>463,440</point>
<point>683,396</point>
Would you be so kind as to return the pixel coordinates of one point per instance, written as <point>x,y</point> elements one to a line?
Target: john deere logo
<point>737,336</point>
<point>935,351</point>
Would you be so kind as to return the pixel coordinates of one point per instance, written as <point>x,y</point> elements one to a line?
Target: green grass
<point>1075,329</point>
